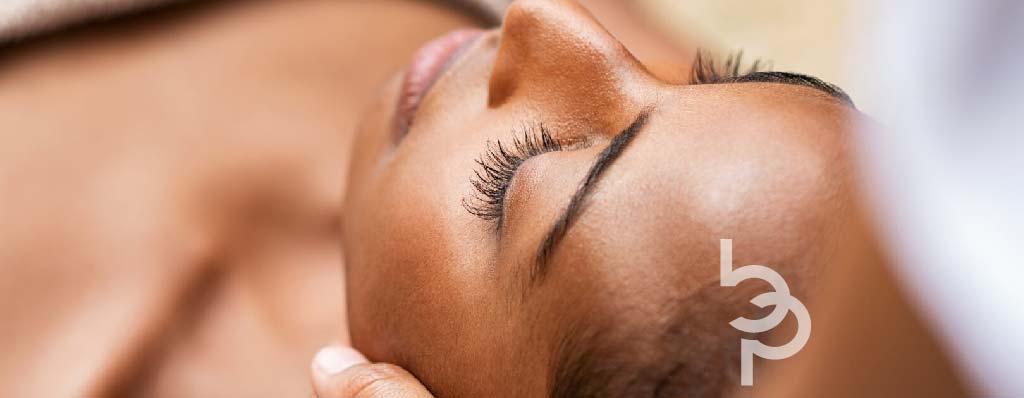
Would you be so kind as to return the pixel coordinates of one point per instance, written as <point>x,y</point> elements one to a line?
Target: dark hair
<point>706,70</point>
<point>692,353</point>
<point>687,349</point>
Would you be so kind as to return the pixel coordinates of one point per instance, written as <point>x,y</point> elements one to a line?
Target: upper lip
<point>411,98</point>
<point>457,55</point>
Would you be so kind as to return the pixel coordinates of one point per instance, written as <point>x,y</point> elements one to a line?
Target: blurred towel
<point>946,171</point>
<point>23,18</point>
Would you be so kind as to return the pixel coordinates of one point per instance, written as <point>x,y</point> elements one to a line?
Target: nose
<point>556,56</point>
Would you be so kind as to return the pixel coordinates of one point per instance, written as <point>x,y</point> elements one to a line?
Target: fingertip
<point>334,359</point>
<point>342,372</point>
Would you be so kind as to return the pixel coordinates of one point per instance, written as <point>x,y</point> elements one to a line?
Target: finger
<point>342,372</point>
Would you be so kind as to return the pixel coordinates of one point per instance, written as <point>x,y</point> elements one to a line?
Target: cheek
<point>380,285</point>
<point>374,136</point>
<point>385,300</point>
<point>421,277</point>
<point>396,272</point>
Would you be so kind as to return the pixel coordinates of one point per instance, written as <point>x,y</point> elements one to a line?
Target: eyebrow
<point>572,211</point>
<point>793,79</point>
<point>705,70</point>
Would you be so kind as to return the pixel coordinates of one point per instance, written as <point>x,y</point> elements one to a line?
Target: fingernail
<point>335,359</point>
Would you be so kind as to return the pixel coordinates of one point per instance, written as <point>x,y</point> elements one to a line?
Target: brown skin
<point>866,317</point>
<point>139,252</point>
<point>170,186</point>
<point>434,289</point>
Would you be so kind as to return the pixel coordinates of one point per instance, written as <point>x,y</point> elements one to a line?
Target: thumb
<point>342,372</point>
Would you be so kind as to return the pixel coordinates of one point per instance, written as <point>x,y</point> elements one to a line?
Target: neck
<point>223,122</point>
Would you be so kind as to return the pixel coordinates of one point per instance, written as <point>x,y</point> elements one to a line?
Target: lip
<point>428,64</point>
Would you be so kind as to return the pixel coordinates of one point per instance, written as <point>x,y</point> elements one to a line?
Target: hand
<point>342,372</point>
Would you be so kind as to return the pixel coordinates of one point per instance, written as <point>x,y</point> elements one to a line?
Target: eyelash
<point>498,165</point>
<point>707,70</point>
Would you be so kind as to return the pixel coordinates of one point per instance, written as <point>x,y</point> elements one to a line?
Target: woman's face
<point>547,197</point>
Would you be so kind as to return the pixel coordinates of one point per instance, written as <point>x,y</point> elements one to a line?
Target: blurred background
<point>807,36</point>
<point>955,154</point>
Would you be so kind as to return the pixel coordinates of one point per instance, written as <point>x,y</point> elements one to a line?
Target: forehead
<point>753,162</point>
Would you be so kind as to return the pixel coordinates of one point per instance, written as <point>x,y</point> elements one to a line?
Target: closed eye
<point>497,166</point>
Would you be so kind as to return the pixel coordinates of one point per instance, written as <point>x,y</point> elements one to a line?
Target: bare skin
<point>171,183</point>
<point>171,186</point>
<point>448,295</point>
<point>170,194</point>
<point>865,317</point>
<point>679,188</point>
